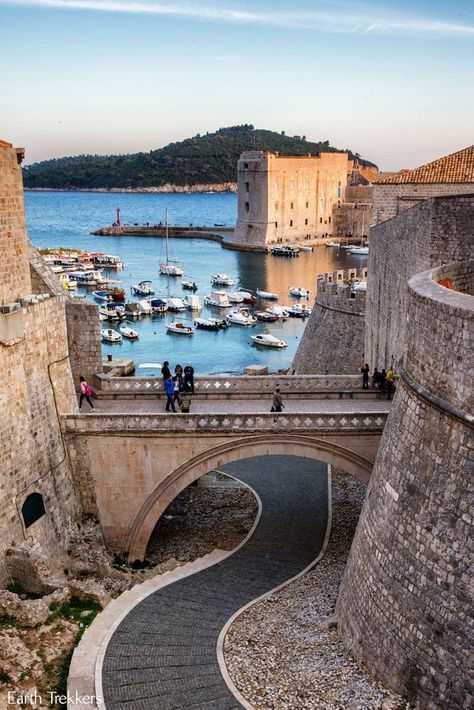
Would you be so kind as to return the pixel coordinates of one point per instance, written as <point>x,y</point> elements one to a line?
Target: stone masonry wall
<point>405,604</point>
<point>85,345</point>
<point>333,340</point>
<point>391,200</point>
<point>435,231</point>
<point>36,390</point>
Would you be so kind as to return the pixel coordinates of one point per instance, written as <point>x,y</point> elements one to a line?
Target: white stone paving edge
<point>84,684</point>
<point>220,641</point>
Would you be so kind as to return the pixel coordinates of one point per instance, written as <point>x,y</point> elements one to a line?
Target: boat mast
<point>166,233</point>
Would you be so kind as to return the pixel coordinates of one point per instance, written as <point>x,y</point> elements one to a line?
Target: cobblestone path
<point>163,654</point>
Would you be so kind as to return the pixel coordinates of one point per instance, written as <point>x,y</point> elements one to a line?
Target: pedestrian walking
<point>189,379</point>
<point>165,370</point>
<point>277,402</point>
<point>365,376</point>
<point>85,393</point>
<point>176,397</point>
<point>375,379</point>
<point>390,383</point>
<point>169,389</point>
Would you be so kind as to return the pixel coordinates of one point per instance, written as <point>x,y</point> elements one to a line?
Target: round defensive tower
<point>405,607</point>
<point>333,340</point>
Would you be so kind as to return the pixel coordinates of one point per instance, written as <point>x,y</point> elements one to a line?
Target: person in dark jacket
<point>375,379</point>
<point>169,389</point>
<point>165,370</point>
<point>382,378</point>
<point>277,402</point>
<point>178,372</point>
<point>189,378</point>
<point>365,376</point>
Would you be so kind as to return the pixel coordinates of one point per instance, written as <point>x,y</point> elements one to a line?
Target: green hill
<point>199,160</point>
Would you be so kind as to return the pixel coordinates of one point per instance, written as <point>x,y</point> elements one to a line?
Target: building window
<point>276,206</point>
<point>276,225</point>
<point>246,166</point>
<point>32,509</point>
<point>306,221</point>
<point>247,207</point>
<point>291,222</point>
<point>307,205</point>
<point>291,205</point>
<point>320,220</point>
<point>247,187</point>
<point>329,220</point>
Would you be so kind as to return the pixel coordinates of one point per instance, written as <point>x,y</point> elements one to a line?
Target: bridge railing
<point>231,423</point>
<point>240,385</point>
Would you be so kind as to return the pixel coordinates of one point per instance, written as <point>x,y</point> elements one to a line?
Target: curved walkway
<point>163,654</point>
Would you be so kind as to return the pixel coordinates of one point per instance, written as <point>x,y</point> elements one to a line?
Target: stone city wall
<point>391,200</point>
<point>404,607</point>
<point>349,219</point>
<point>36,390</point>
<point>333,340</point>
<point>434,231</point>
<point>84,339</point>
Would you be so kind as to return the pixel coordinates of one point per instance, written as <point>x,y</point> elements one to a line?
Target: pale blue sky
<point>391,80</point>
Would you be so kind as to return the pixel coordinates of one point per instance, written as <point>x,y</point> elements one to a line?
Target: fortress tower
<point>333,340</point>
<point>288,198</point>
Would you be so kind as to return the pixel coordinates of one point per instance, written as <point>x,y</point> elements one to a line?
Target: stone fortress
<point>404,606</point>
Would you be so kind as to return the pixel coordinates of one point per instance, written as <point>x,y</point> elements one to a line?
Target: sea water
<point>67,219</point>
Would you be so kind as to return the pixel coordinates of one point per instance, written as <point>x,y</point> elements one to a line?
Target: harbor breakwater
<point>155,189</point>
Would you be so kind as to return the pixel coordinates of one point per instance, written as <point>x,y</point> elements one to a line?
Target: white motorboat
<point>299,292</point>
<point>111,336</point>
<point>143,289</point>
<point>267,295</point>
<point>179,328</point>
<point>361,251</point>
<point>68,283</point>
<point>189,285</point>
<point>298,310</point>
<point>210,323</point>
<point>217,298</point>
<point>235,297</point>
<point>266,317</point>
<point>112,311</point>
<point>168,267</point>
<point>102,316</point>
<point>101,296</point>
<point>175,305</point>
<point>248,297</point>
<point>304,247</point>
<point>129,333</point>
<point>269,341</point>
<point>158,305</point>
<point>88,278</point>
<point>192,302</point>
<point>222,280</point>
<point>240,316</point>
<point>144,307</point>
<point>279,311</point>
<point>333,244</point>
<point>285,251</point>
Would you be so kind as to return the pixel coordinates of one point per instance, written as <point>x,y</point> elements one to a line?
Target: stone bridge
<point>132,459</point>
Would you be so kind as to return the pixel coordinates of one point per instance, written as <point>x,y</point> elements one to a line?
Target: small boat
<point>168,268</point>
<point>112,311</point>
<point>101,296</point>
<point>279,311</point>
<point>285,251</point>
<point>150,366</point>
<point>299,292</point>
<point>235,297</point>
<point>210,323</point>
<point>116,294</point>
<point>175,305</point>
<point>304,247</point>
<point>361,251</point>
<point>248,297</point>
<point>179,328</point>
<point>111,336</point>
<point>333,244</point>
<point>222,280</point>
<point>144,307</point>
<point>158,305</point>
<point>267,295</point>
<point>269,341</point>
<point>192,303</point>
<point>102,316</point>
<point>266,317</point>
<point>218,299</point>
<point>68,283</point>
<point>132,310</point>
<point>143,289</point>
<point>240,316</point>
<point>299,310</point>
<point>107,261</point>
<point>129,333</point>
<point>189,285</point>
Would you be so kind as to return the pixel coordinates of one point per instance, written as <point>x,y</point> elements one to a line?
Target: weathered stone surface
<point>33,571</point>
<point>30,612</point>
<point>89,589</point>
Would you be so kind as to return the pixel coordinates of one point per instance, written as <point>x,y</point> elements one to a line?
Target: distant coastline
<point>162,189</point>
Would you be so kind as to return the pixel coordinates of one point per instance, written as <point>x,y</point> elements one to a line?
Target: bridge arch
<point>155,504</point>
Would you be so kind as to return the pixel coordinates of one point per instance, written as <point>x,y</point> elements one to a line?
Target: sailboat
<point>168,267</point>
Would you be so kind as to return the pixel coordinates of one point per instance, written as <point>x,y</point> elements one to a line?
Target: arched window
<point>32,509</point>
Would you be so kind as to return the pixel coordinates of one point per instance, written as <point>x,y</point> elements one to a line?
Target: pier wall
<point>405,603</point>
<point>37,497</point>
<point>333,340</point>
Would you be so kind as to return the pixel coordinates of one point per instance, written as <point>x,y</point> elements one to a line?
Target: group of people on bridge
<point>181,381</point>
<point>382,380</point>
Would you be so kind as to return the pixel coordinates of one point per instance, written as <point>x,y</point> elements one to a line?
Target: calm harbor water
<point>66,219</point>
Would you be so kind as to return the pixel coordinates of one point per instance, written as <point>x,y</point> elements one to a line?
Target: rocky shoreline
<point>161,189</point>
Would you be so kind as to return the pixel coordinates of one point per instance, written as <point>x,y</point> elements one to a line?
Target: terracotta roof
<point>457,167</point>
<point>4,144</point>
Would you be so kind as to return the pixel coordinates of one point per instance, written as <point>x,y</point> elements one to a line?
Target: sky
<point>392,81</point>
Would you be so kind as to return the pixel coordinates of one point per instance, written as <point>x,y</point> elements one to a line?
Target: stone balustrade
<point>232,423</point>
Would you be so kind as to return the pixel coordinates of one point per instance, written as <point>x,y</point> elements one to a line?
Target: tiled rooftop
<point>457,167</point>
